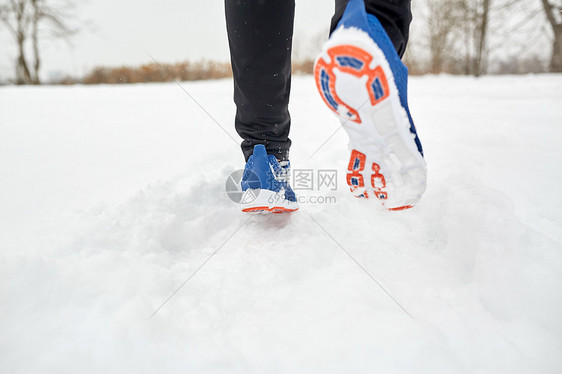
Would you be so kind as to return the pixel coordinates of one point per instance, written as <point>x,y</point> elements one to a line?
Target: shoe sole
<point>355,81</point>
<point>265,202</point>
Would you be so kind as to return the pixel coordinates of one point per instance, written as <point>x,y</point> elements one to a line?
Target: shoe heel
<point>355,61</point>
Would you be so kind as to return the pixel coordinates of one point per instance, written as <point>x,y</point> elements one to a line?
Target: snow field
<point>111,197</point>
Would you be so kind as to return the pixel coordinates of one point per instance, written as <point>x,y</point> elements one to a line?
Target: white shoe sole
<point>266,201</point>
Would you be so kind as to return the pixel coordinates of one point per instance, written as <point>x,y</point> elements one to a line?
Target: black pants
<point>260,36</point>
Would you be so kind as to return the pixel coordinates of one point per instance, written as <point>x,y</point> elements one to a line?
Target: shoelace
<point>282,173</point>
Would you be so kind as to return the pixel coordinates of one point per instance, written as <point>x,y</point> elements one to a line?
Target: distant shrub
<point>184,71</point>
<point>305,66</point>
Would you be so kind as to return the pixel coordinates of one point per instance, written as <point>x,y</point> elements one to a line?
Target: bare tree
<point>443,18</point>
<point>456,35</point>
<point>34,19</point>
<point>15,15</point>
<point>473,34</point>
<point>475,30</point>
<point>481,31</point>
<point>553,10</point>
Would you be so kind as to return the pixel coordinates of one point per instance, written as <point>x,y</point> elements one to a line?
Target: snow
<point>111,197</point>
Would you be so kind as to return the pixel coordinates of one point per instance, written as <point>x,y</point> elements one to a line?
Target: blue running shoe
<point>265,184</point>
<point>362,79</point>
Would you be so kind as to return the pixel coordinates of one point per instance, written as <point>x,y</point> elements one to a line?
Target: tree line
<point>452,36</point>
<point>460,36</point>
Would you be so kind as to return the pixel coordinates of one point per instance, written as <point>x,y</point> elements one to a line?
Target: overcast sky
<point>171,30</point>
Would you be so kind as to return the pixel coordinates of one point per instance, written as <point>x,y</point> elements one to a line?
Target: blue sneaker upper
<point>263,171</point>
<point>356,16</point>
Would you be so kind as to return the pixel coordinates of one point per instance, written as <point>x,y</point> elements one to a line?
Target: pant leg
<point>260,34</point>
<point>394,15</point>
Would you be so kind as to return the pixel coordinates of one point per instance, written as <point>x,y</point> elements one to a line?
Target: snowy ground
<point>112,197</point>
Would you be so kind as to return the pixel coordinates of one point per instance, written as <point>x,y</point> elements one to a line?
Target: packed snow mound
<point>121,252</point>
